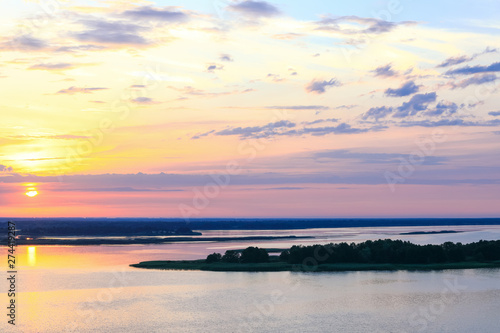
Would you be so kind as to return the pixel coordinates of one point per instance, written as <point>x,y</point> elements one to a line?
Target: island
<point>430,232</point>
<point>381,254</point>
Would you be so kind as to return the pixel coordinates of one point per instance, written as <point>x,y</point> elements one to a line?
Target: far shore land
<point>379,255</point>
<point>145,240</point>
<point>130,231</point>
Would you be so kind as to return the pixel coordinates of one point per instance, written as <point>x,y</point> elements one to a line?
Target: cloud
<point>377,112</point>
<point>111,32</point>
<point>287,128</point>
<point>449,122</point>
<point>475,80</point>
<point>78,48</point>
<point>385,71</point>
<point>463,58</point>
<point>198,136</point>
<point>319,87</point>
<point>454,61</point>
<point>416,104</point>
<point>275,77</point>
<point>374,158</point>
<point>53,66</point>
<point>4,168</point>
<point>443,107</point>
<point>168,14</point>
<point>144,101</point>
<point>117,189</point>
<point>299,107</point>
<point>495,67</point>
<point>225,57</point>
<point>358,25</point>
<point>342,128</point>
<point>255,9</point>
<point>169,182</point>
<point>77,90</point>
<point>347,107</point>
<point>406,89</point>
<point>24,43</point>
<point>258,131</point>
<point>213,67</point>
<point>319,121</point>
<point>494,113</point>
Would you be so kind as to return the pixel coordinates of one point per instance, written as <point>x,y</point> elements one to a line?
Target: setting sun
<point>31,193</point>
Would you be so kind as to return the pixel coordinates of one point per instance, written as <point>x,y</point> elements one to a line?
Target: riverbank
<point>145,240</point>
<point>279,266</point>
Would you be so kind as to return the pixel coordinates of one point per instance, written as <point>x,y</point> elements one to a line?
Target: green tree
<point>214,257</point>
<point>254,255</point>
<point>231,256</point>
<point>285,256</point>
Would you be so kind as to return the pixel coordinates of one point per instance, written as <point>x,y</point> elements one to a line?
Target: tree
<point>214,257</point>
<point>285,256</point>
<point>254,255</point>
<point>231,256</point>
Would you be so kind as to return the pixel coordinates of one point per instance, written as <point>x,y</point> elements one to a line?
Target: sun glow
<point>31,192</point>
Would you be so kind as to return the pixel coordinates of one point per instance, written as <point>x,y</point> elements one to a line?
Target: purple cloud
<point>406,89</point>
<point>385,71</point>
<point>319,87</point>
<point>416,104</point>
<point>144,101</point>
<point>168,14</point>
<point>255,9</point>
<point>495,67</point>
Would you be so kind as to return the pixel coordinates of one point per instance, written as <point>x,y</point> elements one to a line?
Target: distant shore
<point>201,265</point>
<point>431,232</point>
<point>158,240</point>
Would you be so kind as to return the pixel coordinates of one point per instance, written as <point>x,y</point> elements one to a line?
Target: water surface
<point>92,289</point>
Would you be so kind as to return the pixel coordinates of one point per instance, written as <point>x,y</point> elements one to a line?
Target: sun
<point>31,193</point>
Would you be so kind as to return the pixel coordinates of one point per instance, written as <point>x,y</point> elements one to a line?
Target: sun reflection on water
<point>31,255</point>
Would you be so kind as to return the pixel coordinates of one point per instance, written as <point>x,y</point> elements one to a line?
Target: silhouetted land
<point>430,232</point>
<point>158,240</point>
<point>93,231</point>
<point>370,255</point>
<point>151,226</point>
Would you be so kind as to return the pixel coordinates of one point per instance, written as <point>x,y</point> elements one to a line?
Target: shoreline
<point>201,265</point>
<point>140,241</point>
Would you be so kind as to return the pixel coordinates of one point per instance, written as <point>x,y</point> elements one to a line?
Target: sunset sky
<point>225,108</point>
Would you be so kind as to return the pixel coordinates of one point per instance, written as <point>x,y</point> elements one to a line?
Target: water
<point>92,289</point>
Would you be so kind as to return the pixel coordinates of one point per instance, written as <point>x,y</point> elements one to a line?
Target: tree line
<point>379,251</point>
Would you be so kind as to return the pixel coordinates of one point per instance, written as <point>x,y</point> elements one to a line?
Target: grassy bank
<point>279,266</point>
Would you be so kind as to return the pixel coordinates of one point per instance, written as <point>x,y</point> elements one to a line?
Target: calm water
<point>92,289</point>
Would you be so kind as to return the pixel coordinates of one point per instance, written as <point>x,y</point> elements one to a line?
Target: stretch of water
<point>92,289</point>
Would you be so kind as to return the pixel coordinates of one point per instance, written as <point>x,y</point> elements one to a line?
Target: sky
<point>249,108</point>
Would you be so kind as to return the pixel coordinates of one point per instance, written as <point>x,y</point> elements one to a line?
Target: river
<point>92,289</point>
